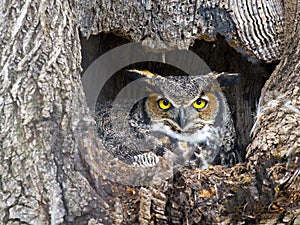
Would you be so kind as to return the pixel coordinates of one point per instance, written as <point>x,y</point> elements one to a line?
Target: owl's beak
<point>181,120</point>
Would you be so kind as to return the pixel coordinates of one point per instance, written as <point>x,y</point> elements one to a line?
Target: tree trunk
<point>53,167</point>
<point>41,97</point>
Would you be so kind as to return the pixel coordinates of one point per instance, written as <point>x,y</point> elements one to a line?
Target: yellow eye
<point>164,104</point>
<point>199,103</point>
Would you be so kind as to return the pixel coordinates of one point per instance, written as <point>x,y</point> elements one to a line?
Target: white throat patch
<point>200,136</point>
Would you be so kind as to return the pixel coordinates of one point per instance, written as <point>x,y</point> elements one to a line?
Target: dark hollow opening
<point>218,55</point>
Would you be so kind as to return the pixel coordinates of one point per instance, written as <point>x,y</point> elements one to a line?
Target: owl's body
<point>187,117</point>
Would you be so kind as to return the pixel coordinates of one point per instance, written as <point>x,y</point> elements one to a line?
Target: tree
<point>50,153</point>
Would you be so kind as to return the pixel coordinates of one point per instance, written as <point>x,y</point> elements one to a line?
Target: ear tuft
<point>136,74</point>
<point>141,78</point>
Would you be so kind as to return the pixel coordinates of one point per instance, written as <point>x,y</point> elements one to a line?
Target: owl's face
<point>187,116</point>
<point>185,108</point>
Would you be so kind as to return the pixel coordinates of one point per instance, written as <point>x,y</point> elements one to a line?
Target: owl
<point>154,116</point>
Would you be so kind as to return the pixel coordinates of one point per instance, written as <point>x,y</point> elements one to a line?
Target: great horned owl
<point>187,116</point>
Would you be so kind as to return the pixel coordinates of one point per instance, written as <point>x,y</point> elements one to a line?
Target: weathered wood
<point>51,172</point>
<point>40,90</point>
<point>253,28</point>
<point>274,151</point>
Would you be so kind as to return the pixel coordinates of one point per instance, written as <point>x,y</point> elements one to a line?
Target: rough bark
<point>53,167</point>
<point>253,28</point>
<point>273,154</point>
<point>41,95</point>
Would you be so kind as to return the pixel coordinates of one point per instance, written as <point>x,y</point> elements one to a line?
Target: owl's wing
<point>125,140</point>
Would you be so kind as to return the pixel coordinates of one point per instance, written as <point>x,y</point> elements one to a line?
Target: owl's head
<point>187,108</point>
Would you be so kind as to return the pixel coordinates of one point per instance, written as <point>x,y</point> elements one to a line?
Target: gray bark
<point>255,29</point>
<point>40,90</point>
<point>53,167</point>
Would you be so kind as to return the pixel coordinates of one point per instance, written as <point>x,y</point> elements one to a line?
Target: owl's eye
<point>200,103</point>
<point>164,104</point>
